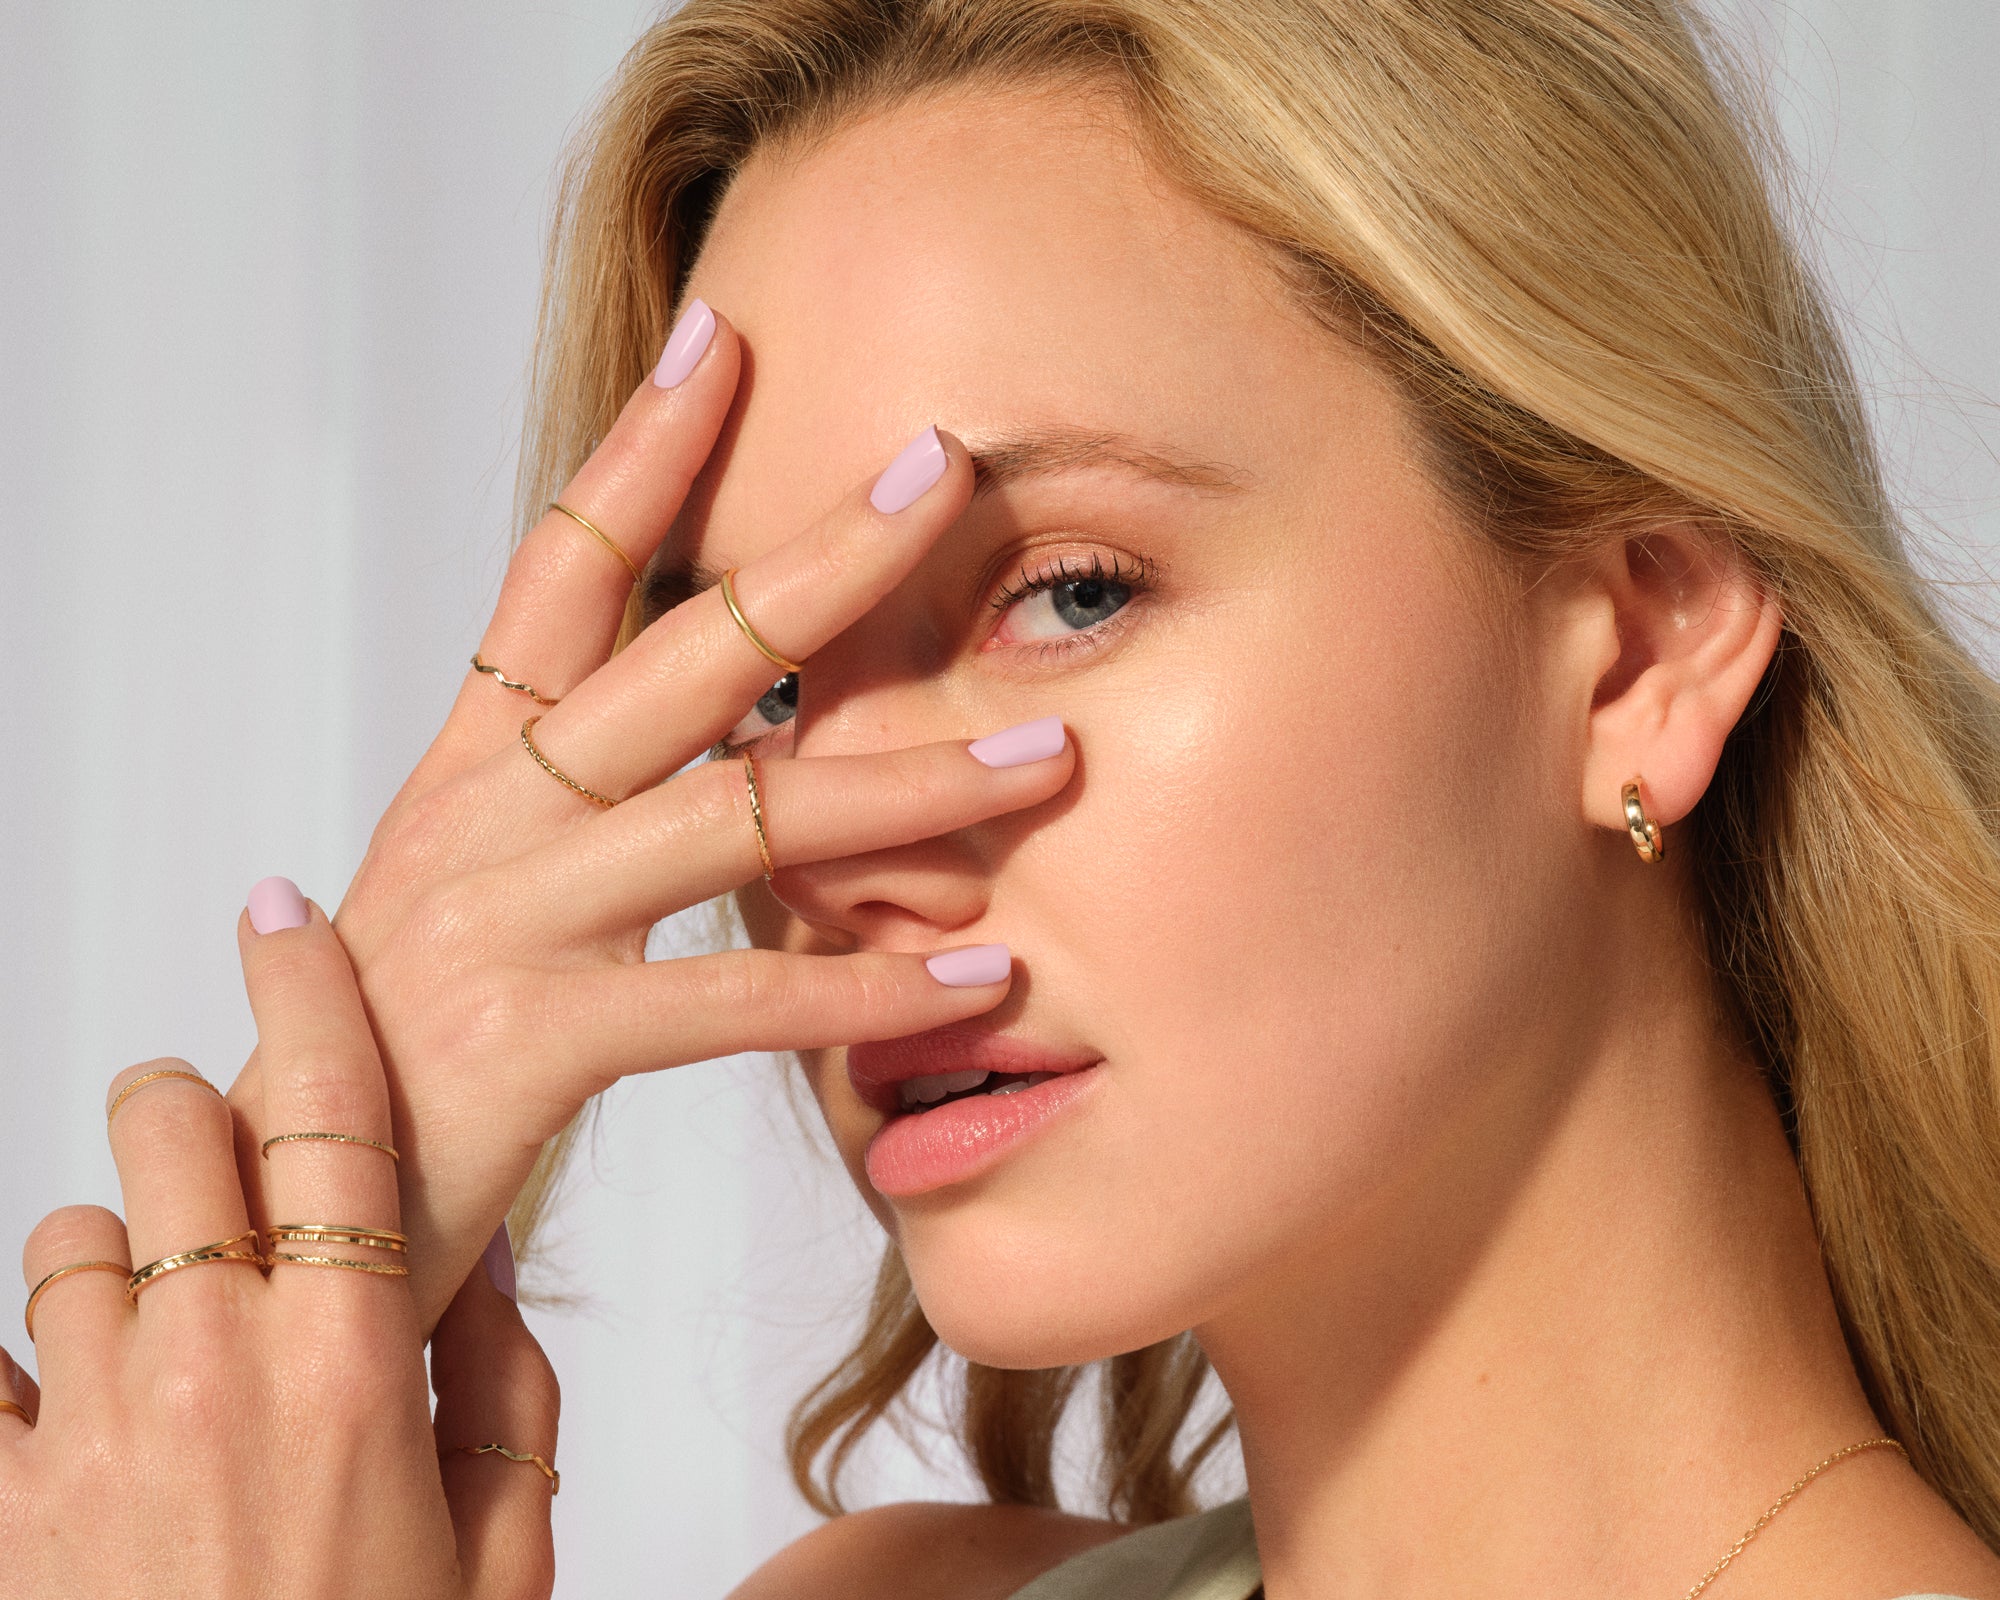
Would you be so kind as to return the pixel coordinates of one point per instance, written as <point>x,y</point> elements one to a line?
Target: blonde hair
<point>1552,221</point>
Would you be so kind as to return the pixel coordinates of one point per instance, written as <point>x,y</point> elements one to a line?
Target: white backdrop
<point>267,277</point>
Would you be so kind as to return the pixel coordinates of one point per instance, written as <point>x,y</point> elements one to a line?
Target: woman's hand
<point>232,1434</point>
<point>498,922</point>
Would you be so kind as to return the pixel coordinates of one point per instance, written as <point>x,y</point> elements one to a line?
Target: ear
<point>1683,632</point>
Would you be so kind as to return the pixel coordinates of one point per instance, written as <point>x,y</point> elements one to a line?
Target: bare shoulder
<point>939,1550</point>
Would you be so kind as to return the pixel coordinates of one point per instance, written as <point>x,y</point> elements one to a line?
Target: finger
<point>327,1133</point>
<point>20,1399</point>
<point>559,608</point>
<point>689,840</point>
<point>174,1144</point>
<point>592,1026</point>
<point>77,1320</point>
<point>688,679</point>
<point>495,1386</point>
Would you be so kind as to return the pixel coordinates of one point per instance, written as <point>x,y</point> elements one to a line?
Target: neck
<point>1578,1354</point>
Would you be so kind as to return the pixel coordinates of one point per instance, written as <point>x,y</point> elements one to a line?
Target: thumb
<point>495,1387</point>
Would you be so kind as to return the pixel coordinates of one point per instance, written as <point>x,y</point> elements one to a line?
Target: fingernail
<point>685,345</point>
<point>499,1259</point>
<point>974,964</point>
<point>905,479</point>
<point>276,903</point>
<point>1020,744</point>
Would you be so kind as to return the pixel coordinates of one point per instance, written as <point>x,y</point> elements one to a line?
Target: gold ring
<point>385,1269</point>
<point>506,682</point>
<point>599,535</point>
<point>757,813</point>
<point>332,1138</point>
<point>221,1250</point>
<point>1644,830</point>
<point>743,622</point>
<point>337,1233</point>
<point>547,1471</point>
<point>28,1316</point>
<point>564,779</point>
<point>145,1078</point>
<point>18,1409</point>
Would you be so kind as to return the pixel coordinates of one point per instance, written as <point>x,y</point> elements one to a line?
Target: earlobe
<point>1692,631</point>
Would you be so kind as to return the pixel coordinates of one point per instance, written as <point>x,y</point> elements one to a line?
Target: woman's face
<point>1307,895</point>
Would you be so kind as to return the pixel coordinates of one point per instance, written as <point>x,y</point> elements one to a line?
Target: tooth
<point>1008,1088</point>
<point>928,1091</point>
<point>1040,1077</point>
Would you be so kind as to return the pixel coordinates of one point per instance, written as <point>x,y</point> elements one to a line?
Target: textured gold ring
<point>757,813</point>
<point>547,1471</point>
<point>743,622</point>
<point>388,1150</point>
<point>506,682</point>
<point>221,1250</point>
<point>562,778</point>
<point>145,1078</point>
<point>34,1298</point>
<point>18,1409</point>
<point>599,535</point>
<point>382,1269</point>
<point>337,1233</point>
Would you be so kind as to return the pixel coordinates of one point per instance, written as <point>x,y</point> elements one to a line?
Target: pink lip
<point>914,1152</point>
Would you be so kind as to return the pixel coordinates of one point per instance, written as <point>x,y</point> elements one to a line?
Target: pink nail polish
<point>1020,744</point>
<point>685,345</point>
<point>276,903</point>
<point>499,1260</point>
<point>971,965</point>
<point>905,479</point>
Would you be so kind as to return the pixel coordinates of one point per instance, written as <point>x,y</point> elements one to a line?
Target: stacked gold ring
<point>221,1250</point>
<point>341,1233</point>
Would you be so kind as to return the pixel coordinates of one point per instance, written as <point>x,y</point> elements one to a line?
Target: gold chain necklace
<point>1784,1500</point>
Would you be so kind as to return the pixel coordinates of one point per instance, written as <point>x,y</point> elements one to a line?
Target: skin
<point>1470,1189</point>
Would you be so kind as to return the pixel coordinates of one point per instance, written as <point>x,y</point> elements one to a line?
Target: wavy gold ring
<point>506,682</point>
<point>547,1471</point>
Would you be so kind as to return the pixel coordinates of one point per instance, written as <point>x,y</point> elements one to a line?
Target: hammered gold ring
<point>388,1150</point>
<point>561,777</point>
<point>221,1250</point>
<point>145,1078</point>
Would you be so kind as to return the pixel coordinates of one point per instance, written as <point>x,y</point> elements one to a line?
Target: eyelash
<point>1140,577</point>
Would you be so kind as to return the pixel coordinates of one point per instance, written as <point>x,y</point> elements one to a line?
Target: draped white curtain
<point>267,277</point>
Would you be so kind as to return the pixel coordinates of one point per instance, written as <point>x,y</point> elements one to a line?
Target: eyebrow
<point>1004,460</point>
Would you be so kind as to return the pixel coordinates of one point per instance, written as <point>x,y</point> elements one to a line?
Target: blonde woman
<point>1362,796</point>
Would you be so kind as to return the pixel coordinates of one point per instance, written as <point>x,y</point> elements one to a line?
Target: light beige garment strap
<point>1210,1556</point>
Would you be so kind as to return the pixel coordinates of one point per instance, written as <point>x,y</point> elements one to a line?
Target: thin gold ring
<point>221,1250</point>
<point>757,813</point>
<point>388,1150</point>
<point>743,622</point>
<point>562,778</point>
<point>506,682</point>
<point>28,1316</point>
<point>1646,837</point>
<point>547,1471</point>
<point>145,1078</point>
<point>337,1233</point>
<point>599,535</point>
<point>18,1409</point>
<point>384,1269</point>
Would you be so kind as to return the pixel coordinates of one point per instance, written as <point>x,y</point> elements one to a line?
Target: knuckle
<point>67,1233</point>
<point>330,1087</point>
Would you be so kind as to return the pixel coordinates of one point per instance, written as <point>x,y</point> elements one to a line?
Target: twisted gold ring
<point>743,622</point>
<point>388,1150</point>
<point>757,813</point>
<point>562,778</point>
<point>382,1269</point>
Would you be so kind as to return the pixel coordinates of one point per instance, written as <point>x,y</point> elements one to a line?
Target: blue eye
<point>1079,598</point>
<point>776,706</point>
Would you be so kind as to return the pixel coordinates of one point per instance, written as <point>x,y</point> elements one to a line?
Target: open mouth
<point>923,1094</point>
<point>921,1072</point>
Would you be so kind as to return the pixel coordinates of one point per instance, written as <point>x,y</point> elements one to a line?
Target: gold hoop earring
<point>1646,836</point>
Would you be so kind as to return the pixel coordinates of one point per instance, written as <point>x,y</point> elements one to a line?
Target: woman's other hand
<point>498,923</point>
<point>221,1432</point>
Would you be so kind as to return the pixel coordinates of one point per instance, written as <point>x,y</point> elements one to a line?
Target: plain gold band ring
<point>743,622</point>
<point>145,1078</point>
<point>221,1250</point>
<point>337,1233</point>
<point>34,1298</point>
<point>547,1471</point>
<point>599,535</point>
<point>506,682</point>
<point>18,1409</point>
<point>757,813</point>
<point>562,778</point>
<point>388,1150</point>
